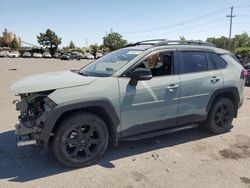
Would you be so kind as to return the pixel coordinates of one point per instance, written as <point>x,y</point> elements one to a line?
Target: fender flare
<point>222,91</point>
<point>58,111</point>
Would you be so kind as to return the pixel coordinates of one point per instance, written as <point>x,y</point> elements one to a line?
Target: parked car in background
<point>98,55</point>
<point>247,68</point>
<point>66,56</point>
<point>89,56</point>
<point>4,54</point>
<point>47,55</point>
<point>57,55</point>
<point>37,55</point>
<point>74,54</point>
<point>14,54</point>
<point>80,56</point>
<point>26,54</point>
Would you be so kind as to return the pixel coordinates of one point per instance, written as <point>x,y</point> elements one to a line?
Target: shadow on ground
<point>26,163</point>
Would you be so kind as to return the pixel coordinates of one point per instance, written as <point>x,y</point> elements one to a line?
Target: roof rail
<point>163,42</point>
<point>146,42</point>
<point>183,42</point>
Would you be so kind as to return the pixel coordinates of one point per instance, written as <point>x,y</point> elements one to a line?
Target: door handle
<point>215,79</point>
<point>171,87</point>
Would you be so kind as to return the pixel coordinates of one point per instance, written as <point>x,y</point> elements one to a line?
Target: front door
<point>150,105</point>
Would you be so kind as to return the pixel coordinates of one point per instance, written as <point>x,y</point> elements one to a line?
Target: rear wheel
<point>221,116</point>
<point>80,140</point>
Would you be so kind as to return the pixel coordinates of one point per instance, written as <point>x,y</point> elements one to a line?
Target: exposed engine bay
<point>34,109</point>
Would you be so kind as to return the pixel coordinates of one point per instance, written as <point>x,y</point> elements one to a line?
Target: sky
<point>87,22</point>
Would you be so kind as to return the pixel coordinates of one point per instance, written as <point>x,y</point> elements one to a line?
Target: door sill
<point>159,133</point>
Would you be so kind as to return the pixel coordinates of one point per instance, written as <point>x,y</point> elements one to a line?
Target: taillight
<point>244,73</point>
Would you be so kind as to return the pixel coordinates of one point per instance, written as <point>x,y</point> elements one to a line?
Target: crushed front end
<point>34,109</point>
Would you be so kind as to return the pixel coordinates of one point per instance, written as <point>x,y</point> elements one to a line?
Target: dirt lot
<point>192,158</point>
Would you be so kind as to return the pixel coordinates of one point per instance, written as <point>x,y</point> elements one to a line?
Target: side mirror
<point>140,74</point>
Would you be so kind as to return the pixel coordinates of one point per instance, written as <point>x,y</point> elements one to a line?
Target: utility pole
<point>86,42</point>
<point>231,16</point>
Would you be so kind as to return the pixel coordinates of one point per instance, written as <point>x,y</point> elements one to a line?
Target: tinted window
<point>216,62</point>
<point>236,58</point>
<point>160,64</point>
<point>193,61</point>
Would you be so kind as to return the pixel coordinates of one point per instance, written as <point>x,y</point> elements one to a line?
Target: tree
<point>103,48</point>
<point>182,38</point>
<point>71,45</point>
<point>49,40</point>
<point>114,41</point>
<point>221,42</point>
<point>242,40</point>
<point>244,52</point>
<point>94,48</point>
<point>14,44</point>
<point>238,41</point>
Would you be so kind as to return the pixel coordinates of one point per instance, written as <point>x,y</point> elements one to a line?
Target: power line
<point>242,6</point>
<point>243,15</point>
<point>204,29</point>
<point>218,19</point>
<point>177,24</point>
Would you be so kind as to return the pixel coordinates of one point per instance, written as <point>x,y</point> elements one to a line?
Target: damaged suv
<point>146,89</point>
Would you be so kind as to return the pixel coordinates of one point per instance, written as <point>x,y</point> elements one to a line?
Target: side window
<point>161,64</point>
<point>216,61</point>
<point>193,61</point>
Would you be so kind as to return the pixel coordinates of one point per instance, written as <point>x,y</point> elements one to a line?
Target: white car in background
<point>89,56</point>
<point>14,54</point>
<point>26,54</point>
<point>47,55</point>
<point>37,55</point>
<point>4,54</point>
<point>98,55</point>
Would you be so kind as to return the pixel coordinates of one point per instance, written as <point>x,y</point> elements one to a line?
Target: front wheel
<point>221,116</point>
<point>80,140</point>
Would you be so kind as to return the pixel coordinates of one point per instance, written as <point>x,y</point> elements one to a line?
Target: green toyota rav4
<point>146,89</point>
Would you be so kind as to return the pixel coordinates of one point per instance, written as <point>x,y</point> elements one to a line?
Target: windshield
<point>110,63</point>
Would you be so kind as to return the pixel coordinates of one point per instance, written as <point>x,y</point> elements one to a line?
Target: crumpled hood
<point>50,81</point>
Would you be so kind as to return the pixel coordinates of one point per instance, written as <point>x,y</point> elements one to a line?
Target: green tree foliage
<point>182,38</point>
<point>237,41</point>
<point>240,45</point>
<point>114,41</point>
<point>49,40</point>
<point>221,42</point>
<point>244,52</point>
<point>14,44</point>
<point>103,48</point>
<point>71,45</point>
<point>94,48</point>
<point>242,40</point>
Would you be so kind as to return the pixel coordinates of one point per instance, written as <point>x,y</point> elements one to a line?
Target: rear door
<point>198,83</point>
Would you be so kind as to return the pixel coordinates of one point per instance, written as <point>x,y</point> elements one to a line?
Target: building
<point>8,37</point>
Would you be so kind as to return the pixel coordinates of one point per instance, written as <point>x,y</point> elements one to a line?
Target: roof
<point>178,44</point>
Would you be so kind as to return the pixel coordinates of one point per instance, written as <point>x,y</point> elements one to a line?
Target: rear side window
<point>236,58</point>
<point>216,62</point>
<point>193,61</point>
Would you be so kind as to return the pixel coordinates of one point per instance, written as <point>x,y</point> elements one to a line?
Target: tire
<point>220,116</point>
<point>80,140</point>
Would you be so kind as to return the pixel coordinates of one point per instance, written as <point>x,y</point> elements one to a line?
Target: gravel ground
<point>192,158</point>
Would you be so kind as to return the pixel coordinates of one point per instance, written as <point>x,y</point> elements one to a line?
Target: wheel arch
<point>231,93</point>
<point>101,107</point>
